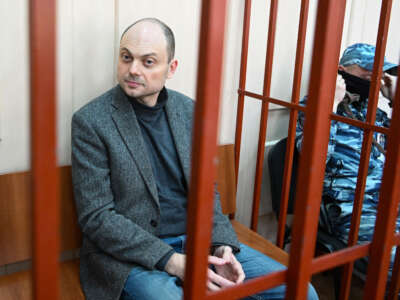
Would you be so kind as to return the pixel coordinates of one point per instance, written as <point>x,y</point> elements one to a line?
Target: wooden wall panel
<point>16,216</point>
<point>70,232</point>
<point>226,178</point>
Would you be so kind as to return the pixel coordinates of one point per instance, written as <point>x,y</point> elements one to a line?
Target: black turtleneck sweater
<point>167,170</point>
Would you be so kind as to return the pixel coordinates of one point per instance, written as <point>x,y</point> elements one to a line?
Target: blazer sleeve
<point>110,231</point>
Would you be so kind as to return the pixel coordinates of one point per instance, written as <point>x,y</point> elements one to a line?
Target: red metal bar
<point>329,261</point>
<point>250,287</point>
<point>319,264</point>
<point>273,100</point>
<point>242,83</point>
<point>360,124</point>
<point>328,30</point>
<point>332,116</point>
<point>367,142</point>
<point>396,239</point>
<point>264,112</point>
<point>45,182</point>
<point>395,280</point>
<point>201,192</point>
<point>287,175</point>
<point>388,203</point>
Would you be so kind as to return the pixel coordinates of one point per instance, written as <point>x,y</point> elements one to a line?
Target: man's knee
<point>151,285</point>
<point>152,292</point>
<point>312,293</point>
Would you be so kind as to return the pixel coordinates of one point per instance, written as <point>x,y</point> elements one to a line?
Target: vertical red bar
<point>328,31</point>
<point>395,280</point>
<point>273,12</point>
<point>43,150</point>
<point>387,209</point>
<point>204,148</point>
<point>242,83</point>
<point>367,141</point>
<point>301,37</point>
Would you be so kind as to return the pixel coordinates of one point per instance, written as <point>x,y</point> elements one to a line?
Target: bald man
<point>131,151</point>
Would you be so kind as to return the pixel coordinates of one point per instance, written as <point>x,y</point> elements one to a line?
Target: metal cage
<point>330,18</point>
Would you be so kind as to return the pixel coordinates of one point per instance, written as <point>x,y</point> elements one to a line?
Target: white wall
<point>14,86</point>
<point>88,37</point>
<point>87,41</point>
<point>363,26</point>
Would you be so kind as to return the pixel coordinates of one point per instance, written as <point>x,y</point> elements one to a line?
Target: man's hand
<point>217,281</point>
<point>388,86</point>
<point>340,91</point>
<point>232,270</point>
<point>176,267</point>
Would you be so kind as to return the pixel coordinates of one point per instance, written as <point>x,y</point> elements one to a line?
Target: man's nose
<point>134,68</point>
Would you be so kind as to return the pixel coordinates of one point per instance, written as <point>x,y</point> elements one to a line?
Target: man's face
<point>143,65</point>
<point>356,70</point>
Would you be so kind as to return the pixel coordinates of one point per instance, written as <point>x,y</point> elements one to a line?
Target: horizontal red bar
<point>319,264</point>
<point>250,287</point>
<point>360,124</point>
<point>335,117</point>
<point>328,261</point>
<point>272,100</point>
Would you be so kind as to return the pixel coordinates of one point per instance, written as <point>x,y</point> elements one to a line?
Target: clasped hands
<point>228,270</point>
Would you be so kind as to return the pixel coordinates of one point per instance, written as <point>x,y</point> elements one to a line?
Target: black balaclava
<point>356,85</point>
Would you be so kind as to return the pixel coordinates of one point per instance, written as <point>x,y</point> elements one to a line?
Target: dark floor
<point>323,282</point>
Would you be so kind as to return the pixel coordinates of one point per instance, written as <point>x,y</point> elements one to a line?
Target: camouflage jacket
<point>343,156</point>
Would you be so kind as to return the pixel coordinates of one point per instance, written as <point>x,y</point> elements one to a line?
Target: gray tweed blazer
<point>115,190</point>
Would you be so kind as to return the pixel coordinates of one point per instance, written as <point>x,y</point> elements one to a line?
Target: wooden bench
<point>227,189</point>
<point>15,230</point>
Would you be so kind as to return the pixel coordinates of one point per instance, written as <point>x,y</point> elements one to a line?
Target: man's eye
<point>125,57</point>
<point>149,62</point>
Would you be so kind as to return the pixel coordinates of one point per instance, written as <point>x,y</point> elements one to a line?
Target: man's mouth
<point>132,83</point>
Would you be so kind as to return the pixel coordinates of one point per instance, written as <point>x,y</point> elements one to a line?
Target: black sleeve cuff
<point>216,245</point>
<point>160,265</point>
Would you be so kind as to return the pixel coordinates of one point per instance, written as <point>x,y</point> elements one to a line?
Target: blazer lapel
<point>128,126</point>
<point>181,132</point>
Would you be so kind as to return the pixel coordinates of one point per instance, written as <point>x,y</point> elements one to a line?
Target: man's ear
<point>342,68</point>
<point>172,68</point>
